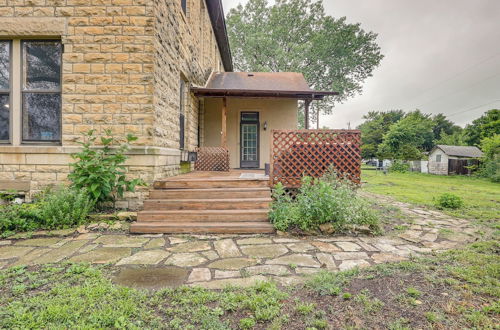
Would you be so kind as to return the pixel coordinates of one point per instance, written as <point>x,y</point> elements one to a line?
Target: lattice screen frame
<point>212,159</point>
<point>295,153</point>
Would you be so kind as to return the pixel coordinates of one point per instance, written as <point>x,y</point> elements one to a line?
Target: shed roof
<point>461,151</point>
<point>259,84</point>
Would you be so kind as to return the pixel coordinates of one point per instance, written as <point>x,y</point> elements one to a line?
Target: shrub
<point>399,167</point>
<point>100,169</point>
<point>319,201</point>
<point>449,201</point>
<point>53,209</point>
<point>65,207</point>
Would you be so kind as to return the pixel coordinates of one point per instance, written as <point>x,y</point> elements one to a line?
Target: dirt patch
<point>151,278</point>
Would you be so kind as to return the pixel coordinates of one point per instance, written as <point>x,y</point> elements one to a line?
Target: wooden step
<point>206,228</point>
<point>201,183</point>
<point>210,193</point>
<point>207,204</point>
<point>204,216</point>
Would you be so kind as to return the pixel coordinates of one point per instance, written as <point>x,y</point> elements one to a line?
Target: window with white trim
<point>438,158</point>
<point>30,90</point>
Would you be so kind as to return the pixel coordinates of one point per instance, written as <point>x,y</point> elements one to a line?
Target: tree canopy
<point>376,124</point>
<point>297,35</point>
<point>483,127</point>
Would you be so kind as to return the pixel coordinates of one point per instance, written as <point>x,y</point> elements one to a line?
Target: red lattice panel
<point>212,159</point>
<point>296,153</point>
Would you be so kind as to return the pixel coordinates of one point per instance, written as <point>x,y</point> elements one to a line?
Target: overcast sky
<point>440,56</point>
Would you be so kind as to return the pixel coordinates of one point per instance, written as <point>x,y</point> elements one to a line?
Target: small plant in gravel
<point>449,201</point>
<point>247,323</point>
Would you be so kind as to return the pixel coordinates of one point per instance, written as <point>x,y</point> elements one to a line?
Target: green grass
<point>481,197</point>
<point>82,296</point>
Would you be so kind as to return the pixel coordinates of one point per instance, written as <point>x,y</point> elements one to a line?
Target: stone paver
<point>226,248</point>
<point>186,260</point>
<point>102,255</point>
<point>264,251</point>
<point>244,282</point>
<point>304,260</point>
<point>194,246</point>
<point>148,257</point>
<point>121,241</point>
<point>233,263</point>
<point>199,275</point>
<point>215,261</point>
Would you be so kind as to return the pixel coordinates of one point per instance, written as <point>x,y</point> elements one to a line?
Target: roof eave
<point>216,13</point>
<point>302,95</point>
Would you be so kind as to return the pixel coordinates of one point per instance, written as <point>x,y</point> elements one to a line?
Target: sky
<point>441,56</point>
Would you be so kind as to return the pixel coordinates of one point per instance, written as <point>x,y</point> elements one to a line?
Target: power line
<point>454,76</point>
<point>473,108</point>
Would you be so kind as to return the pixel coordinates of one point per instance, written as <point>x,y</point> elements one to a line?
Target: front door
<point>249,130</point>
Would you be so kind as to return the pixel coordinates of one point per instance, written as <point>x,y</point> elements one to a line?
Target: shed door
<point>249,137</point>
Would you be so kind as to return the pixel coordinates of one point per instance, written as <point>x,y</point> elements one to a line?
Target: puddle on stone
<point>151,278</point>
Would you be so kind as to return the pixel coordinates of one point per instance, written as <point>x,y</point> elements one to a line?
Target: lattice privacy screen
<point>295,153</point>
<point>212,159</point>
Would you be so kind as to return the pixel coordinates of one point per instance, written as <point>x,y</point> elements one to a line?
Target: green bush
<point>100,168</point>
<point>399,167</point>
<point>65,208</point>
<point>319,201</point>
<point>53,209</point>
<point>449,201</point>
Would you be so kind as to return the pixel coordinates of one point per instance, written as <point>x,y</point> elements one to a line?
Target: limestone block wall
<point>121,67</point>
<point>440,168</point>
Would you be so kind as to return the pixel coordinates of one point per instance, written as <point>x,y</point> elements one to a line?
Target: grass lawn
<point>481,197</point>
<point>454,290</point>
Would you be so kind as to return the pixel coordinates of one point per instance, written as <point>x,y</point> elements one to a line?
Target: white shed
<point>444,159</point>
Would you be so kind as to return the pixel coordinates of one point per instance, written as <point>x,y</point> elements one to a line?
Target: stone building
<point>68,66</point>
<point>130,66</point>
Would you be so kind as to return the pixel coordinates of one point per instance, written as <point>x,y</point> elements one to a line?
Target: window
<point>184,6</point>
<point>5,83</point>
<point>41,91</point>
<point>182,119</point>
<point>30,91</point>
<point>438,158</point>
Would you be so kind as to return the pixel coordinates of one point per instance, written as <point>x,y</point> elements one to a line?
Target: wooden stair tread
<point>211,200</point>
<point>196,227</point>
<point>216,189</point>
<point>206,211</point>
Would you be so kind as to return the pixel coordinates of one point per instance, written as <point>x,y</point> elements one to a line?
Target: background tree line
<point>395,134</point>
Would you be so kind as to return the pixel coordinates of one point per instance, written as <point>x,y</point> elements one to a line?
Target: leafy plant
<point>331,199</point>
<point>449,201</point>
<point>15,217</point>
<point>399,167</point>
<point>65,207</point>
<point>101,169</point>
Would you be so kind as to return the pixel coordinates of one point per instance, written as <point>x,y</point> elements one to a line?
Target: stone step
<point>210,193</point>
<point>259,215</point>
<point>207,204</point>
<point>205,228</point>
<point>204,183</point>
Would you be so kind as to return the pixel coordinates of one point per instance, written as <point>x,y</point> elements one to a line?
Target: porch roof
<point>259,84</point>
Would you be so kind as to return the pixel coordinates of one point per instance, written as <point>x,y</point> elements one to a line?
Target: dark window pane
<point>42,65</point>
<point>4,117</point>
<point>249,116</point>
<point>41,117</point>
<point>4,65</point>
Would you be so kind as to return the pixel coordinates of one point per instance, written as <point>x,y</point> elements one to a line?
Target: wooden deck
<point>208,202</point>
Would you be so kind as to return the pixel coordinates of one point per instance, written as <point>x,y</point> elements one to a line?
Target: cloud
<point>440,56</point>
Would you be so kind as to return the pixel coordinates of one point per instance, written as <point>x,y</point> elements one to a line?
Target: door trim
<point>257,122</point>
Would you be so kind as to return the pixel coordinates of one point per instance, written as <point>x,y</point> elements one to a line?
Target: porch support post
<point>306,114</point>
<point>223,136</point>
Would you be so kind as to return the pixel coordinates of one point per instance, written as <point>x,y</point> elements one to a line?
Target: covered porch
<point>241,109</point>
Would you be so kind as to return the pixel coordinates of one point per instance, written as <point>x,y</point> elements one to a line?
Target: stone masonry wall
<point>122,63</point>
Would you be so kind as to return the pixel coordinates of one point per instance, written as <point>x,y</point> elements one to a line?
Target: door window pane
<point>4,117</point>
<point>41,116</point>
<point>4,65</point>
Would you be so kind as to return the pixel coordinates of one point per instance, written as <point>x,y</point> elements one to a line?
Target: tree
<point>297,35</point>
<point>485,126</point>
<point>443,126</point>
<point>409,137</point>
<point>374,127</point>
<point>454,139</point>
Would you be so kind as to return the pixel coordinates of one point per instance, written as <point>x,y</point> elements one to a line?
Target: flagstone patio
<point>214,261</point>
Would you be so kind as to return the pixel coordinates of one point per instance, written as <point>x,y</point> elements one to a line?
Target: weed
<point>305,309</point>
<point>370,305</point>
<point>412,292</point>
<point>247,323</point>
